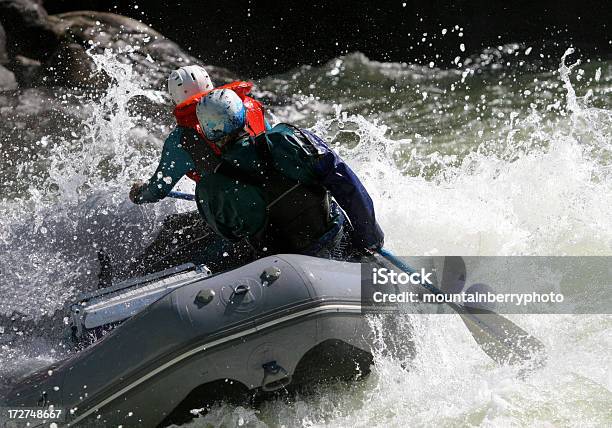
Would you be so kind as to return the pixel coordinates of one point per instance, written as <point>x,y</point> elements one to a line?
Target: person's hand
<point>378,245</point>
<point>375,248</point>
<point>135,191</point>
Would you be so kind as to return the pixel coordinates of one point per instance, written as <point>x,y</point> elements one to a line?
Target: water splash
<point>565,72</point>
<point>51,234</point>
<point>542,188</point>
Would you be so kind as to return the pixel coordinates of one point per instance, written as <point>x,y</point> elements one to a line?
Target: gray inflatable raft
<point>277,323</point>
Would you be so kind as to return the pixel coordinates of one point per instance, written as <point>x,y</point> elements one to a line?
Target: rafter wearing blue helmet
<point>281,190</point>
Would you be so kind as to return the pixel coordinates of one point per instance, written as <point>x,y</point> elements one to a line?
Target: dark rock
<point>3,54</point>
<point>28,30</point>
<point>151,55</point>
<point>7,80</point>
<point>28,71</point>
<point>57,50</point>
<point>71,66</point>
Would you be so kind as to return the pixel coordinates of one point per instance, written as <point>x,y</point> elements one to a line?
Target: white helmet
<point>188,81</point>
<point>221,113</point>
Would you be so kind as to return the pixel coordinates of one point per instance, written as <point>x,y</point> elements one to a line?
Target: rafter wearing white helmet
<point>188,81</point>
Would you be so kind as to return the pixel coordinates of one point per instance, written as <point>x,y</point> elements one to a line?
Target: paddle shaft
<point>181,195</point>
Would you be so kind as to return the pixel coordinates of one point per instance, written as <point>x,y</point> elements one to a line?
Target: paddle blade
<point>501,339</point>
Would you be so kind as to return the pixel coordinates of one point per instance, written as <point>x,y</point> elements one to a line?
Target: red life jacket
<point>185,114</point>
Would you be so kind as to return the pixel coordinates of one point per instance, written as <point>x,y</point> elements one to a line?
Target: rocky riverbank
<point>38,49</point>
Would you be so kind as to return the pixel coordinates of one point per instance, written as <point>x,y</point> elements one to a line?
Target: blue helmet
<point>220,113</point>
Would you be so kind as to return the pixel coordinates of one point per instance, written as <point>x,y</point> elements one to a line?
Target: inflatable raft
<point>164,343</point>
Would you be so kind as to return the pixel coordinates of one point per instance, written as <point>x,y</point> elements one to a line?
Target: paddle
<point>499,338</point>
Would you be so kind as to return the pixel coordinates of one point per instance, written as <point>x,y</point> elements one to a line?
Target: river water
<point>509,152</point>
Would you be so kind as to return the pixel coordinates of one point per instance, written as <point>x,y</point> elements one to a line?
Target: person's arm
<point>174,164</point>
<point>349,192</point>
<point>310,160</point>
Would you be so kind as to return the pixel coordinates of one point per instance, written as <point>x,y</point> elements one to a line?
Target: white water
<point>542,186</point>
